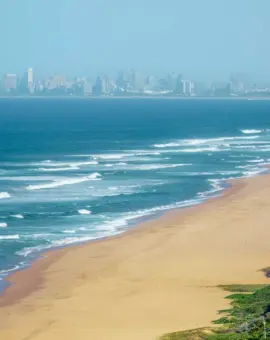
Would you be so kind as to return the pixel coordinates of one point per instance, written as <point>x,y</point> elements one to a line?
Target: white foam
<point>3,225</point>
<point>69,231</point>
<point>29,250</point>
<point>4,195</point>
<point>9,237</point>
<point>150,211</point>
<point>113,225</point>
<point>157,166</point>
<point>68,165</point>
<point>209,149</point>
<point>71,240</point>
<point>216,185</point>
<point>18,216</point>
<point>5,272</point>
<point>251,131</point>
<point>113,156</point>
<point>28,178</point>
<point>166,145</point>
<point>58,169</point>
<point>256,161</point>
<point>201,141</point>
<point>145,167</point>
<point>84,212</point>
<point>68,181</point>
<point>117,164</point>
<point>147,153</point>
<point>253,172</point>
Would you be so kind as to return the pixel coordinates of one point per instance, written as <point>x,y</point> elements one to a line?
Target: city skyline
<point>129,82</point>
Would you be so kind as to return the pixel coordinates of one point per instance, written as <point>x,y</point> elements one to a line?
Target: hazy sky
<point>197,38</point>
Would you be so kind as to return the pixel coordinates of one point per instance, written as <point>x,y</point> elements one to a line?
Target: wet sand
<point>159,277</point>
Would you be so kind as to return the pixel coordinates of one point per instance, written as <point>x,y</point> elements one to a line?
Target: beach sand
<point>159,277</point>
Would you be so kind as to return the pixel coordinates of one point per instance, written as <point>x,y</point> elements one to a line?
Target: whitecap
<point>256,160</point>
<point>251,131</point>
<point>145,167</point>
<point>4,195</point>
<point>211,149</point>
<point>157,166</point>
<point>3,225</point>
<point>68,181</point>
<point>18,216</point>
<point>166,145</point>
<point>200,141</point>
<point>113,156</point>
<point>9,237</point>
<point>84,212</point>
<point>58,169</point>
<point>67,165</point>
<point>147,153</point>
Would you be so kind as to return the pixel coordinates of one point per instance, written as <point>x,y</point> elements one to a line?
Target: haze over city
<point>206,40</point>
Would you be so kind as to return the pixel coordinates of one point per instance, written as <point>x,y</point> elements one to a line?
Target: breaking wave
<point>251,131</point>
<point>9,237</point>
<point>84,212</point>
<point>56,184</point>
<point>4,195</point>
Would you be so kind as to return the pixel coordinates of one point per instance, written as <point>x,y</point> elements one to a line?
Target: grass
<point>236,288</point>
<point>247,319</point>
<point>194,334</point>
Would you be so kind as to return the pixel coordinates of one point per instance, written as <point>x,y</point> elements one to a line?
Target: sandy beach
<point>159,277</point>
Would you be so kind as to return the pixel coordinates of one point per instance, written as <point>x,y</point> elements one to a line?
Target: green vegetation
<point>193,334</point>
<point>242,288</point>
<point>247,319</point>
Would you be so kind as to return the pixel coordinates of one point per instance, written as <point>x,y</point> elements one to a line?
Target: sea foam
<point>3,225</point>
<point>202,141</point>
<point>69,181</point>
<point>251,131</point>
<point>20,216</point>
<point>84,212</point>
<point>66,165</point>
<point>9,237</point>
<point>4,195</point>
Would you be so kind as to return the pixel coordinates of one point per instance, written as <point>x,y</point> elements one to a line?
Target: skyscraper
<point>10,82</point>
<point>30,80</point>
<point>188,87</point>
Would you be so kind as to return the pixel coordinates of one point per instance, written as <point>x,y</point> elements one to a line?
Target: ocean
<point>75,170</point>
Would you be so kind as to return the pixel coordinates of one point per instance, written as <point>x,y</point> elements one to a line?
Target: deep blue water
<point>74,170</point>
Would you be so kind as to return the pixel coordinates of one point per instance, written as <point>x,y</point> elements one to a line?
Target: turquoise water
<point>76,170</point>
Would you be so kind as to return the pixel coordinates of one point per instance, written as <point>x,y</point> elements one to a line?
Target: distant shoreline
<point>134,97</point>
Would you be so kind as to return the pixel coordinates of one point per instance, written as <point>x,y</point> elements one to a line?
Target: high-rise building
<point>56,81</point>
<point>188,88</point>
<point>30,79</point>
<point>172,81</point>
<point>179,85</point>
<point>10,82</point>
<point>137,81</point>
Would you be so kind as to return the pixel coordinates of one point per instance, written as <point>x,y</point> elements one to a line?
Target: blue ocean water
<point>75,170</point>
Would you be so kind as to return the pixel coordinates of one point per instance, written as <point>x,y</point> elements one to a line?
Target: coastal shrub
<point>247,319</point>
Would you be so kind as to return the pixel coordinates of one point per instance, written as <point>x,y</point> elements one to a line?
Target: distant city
<point>128,83</point>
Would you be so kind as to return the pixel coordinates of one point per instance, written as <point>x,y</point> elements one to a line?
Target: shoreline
<point>138,97</point>
<point>35,279</point>
<point>46,257</point>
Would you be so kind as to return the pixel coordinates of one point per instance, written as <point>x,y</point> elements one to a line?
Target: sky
<point>207,39</point>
